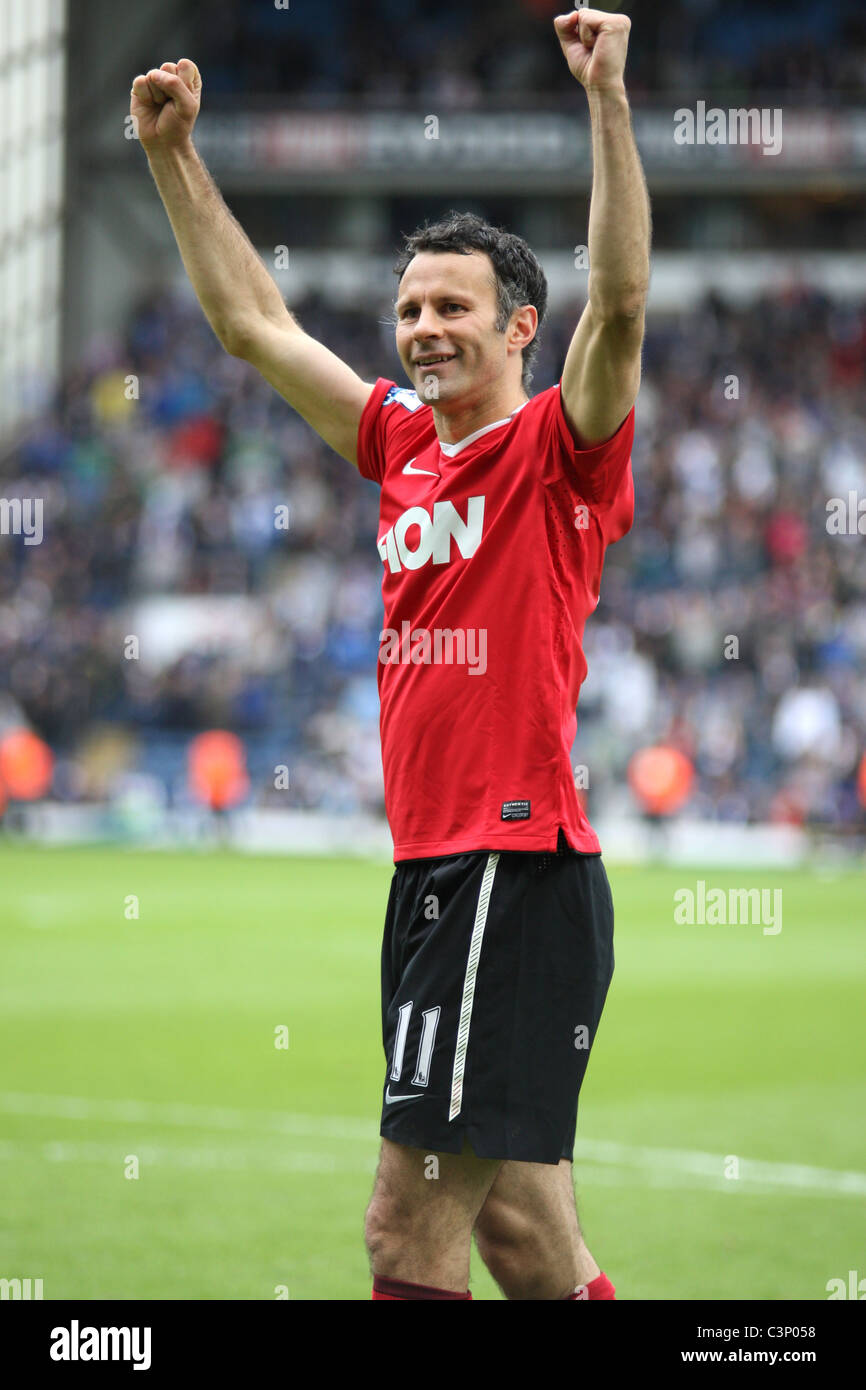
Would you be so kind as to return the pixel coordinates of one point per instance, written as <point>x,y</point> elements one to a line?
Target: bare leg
<point>528,1233</point>
<point>420,1218</point>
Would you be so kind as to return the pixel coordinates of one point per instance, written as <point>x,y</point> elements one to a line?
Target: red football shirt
<point>492,550</point>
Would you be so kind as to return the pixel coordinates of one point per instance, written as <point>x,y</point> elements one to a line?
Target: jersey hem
<point>531,844</point>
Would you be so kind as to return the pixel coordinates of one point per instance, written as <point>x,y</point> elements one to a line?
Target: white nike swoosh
<point>389,1099</point>
<point>407,468</point>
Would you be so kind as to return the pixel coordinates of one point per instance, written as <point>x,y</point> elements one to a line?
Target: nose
<point>426,324</point>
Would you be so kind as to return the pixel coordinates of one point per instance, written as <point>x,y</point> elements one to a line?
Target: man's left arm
<point>601,376</point>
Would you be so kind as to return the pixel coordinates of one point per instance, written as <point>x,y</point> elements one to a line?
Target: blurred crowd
<point>395,51</point>
<point>164,599</point>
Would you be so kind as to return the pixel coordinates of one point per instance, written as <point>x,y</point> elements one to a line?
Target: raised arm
<point>601,376</point>
<point>239,297</point>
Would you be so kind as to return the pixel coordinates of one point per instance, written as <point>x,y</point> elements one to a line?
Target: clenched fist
<point>164,103</point>
<point>594,43</point>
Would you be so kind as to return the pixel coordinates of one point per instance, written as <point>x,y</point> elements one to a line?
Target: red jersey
<point>492,551</point>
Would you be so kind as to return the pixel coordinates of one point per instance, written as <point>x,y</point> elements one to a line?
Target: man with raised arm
<point>495,512</point>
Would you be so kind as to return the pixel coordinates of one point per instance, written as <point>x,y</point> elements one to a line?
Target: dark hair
<point>518,276</point>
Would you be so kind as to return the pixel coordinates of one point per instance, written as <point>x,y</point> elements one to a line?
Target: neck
<point>457,422</point>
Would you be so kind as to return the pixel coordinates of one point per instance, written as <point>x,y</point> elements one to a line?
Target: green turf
<point>719,1040</point>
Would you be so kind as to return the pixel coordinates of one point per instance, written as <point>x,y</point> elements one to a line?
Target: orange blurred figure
<point>661,779</point>
<point>218,769</point>
<point>26,765</point>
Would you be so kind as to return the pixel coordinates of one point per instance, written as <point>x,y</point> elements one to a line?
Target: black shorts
<point>495,969</point>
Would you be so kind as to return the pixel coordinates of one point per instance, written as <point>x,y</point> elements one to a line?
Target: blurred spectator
<point>732,623</point>
<point>387,51</point>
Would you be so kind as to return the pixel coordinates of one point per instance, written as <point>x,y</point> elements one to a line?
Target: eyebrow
<point>452,296</point>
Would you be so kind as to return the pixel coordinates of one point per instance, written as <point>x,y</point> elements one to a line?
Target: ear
<point>524,326</point>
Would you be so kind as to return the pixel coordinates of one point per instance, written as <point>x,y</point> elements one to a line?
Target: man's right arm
<point>242,303</point>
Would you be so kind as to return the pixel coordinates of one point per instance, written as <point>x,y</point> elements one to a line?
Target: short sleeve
<point>600,476</point>
<point>371,433</point>
<point>393,420</point>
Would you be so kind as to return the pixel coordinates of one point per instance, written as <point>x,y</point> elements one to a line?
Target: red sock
<point>399,1290</point>
<point>600,1287</point>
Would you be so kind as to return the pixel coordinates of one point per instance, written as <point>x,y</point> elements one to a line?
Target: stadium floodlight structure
<point>32,38</point>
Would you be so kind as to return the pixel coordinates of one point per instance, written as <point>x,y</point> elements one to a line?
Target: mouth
<point>438,361</point>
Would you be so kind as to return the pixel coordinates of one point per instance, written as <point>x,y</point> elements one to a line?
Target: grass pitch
<point>721,1132</point>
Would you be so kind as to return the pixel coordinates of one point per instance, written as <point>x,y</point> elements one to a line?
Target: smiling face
<point>446,308</point>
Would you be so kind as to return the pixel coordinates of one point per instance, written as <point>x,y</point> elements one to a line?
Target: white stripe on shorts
<point>469,985</point>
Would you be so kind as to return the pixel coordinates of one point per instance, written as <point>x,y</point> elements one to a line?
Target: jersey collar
<point>449,450</point>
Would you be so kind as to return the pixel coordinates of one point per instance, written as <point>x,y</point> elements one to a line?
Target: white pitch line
<point>262,1160</point>
<point>150,1154</point>
<point>186,1116</point>
<point>707,1167</point>
<point>792,1175</point>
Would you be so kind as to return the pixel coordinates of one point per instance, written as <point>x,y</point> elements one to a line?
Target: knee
<point>381,1226</point>
<point>391,1227</point>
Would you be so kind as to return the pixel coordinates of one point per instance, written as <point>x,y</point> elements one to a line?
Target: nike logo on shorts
<point>389,1099</point>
